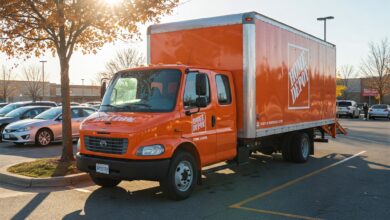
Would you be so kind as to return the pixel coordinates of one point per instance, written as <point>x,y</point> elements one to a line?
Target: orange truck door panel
<point>198,127</point>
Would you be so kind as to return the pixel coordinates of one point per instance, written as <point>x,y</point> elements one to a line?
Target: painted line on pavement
<point>240,204</point>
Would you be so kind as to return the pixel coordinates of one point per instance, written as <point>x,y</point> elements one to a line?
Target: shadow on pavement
<point>227,186</point>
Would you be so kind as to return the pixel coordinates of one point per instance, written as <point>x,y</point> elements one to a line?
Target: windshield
<point>379,106</point>
<point>16,113</point>
<point>8,108</point>
<point>143,91</point>
<point>344,104</point>
<point>49,114</point>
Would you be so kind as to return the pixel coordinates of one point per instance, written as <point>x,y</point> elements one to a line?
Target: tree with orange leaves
<point>34,27</point>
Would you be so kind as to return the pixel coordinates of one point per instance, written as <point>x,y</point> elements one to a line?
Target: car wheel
<point>1,132</point>
<point>182,176</point>
<point>43,137</point>
<point>104,182</point>
<point>300,146</point>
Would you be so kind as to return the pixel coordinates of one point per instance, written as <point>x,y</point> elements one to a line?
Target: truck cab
<point>160,123</point>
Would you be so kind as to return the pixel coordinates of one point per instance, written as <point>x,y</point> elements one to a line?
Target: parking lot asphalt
<point>347,178</point>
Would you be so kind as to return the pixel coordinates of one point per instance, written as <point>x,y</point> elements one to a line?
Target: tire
<point>182,176</point>
<point>1,132</point>
<point>352,115</point>
<point>104,182</point>
<point>300,147</point>
<point>43,137</point>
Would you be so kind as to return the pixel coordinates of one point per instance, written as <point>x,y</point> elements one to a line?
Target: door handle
<point>213,121</point>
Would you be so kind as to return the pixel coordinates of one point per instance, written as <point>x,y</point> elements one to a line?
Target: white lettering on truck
<point>298,77</point>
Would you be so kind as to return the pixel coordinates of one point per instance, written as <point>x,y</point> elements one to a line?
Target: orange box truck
<point>216,89</point>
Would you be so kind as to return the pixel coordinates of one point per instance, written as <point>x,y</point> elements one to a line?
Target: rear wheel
<point>104,182</point>
<point>182,176</point>
<point>300,147</point>
<point>43,137</point>
<point>1,132</point>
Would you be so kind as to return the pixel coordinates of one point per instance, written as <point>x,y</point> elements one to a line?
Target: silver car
<point>379,111</point>
<point>45,127</point>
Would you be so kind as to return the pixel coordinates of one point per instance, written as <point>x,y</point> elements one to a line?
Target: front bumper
<point>379,115</point>
<point>18,137</point>
<point>125,169</point>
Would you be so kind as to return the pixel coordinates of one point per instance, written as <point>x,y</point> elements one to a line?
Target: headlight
<point>152,150</point>
<point>24,129</point>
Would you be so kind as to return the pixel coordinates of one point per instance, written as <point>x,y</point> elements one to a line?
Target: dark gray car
<point>12,106</point>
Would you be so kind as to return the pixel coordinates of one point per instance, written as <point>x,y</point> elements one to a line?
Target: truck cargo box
<point>285,79</point>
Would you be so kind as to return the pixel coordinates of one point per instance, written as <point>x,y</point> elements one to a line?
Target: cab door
<point>198,125</point>
<point>225,116</point>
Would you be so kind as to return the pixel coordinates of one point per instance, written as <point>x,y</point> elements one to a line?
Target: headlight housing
<point>24,129</point>
<point>151,150</point>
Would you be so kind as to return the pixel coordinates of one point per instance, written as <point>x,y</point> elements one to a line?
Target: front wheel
<point>182,176</point>
<point>44,137</point>
<point>104,182</point>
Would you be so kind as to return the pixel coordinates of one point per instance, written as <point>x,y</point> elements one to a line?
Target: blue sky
<point>356,23</point>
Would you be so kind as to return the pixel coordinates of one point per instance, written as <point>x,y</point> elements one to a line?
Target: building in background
<point>21,91</point>
<point>358,90</point>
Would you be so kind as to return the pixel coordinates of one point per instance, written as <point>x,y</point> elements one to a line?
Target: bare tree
<point>376,68</point>
<point>33,82</point>
<point>7,89</point>
<point>344,74</point>
<point>124,59</point>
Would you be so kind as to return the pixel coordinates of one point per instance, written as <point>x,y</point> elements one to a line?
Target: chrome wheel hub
<point>183,176</point>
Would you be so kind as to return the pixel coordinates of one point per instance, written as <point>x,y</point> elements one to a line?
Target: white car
<point>379,111</point>
<point>347,108</point>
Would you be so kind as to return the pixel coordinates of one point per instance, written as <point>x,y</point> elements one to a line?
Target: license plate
<point>102,168</point>
<point>6,136</point>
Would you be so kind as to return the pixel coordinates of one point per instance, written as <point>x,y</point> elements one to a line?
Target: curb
<point>29,182</point>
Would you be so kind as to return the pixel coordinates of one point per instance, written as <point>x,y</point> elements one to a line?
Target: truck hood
<point>123,122</point>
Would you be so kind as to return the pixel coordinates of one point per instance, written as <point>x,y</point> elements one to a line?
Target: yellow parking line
<point>277,213</point>
<point>289,183</point>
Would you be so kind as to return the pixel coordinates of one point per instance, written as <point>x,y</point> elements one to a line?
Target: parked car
<point>45,127</point>
<point>89,104</point>
<point>21,113</point>
<point>379,111</point>
<point>347,108</point>
<point>71,104</point>
<point>12,106</point>
<point>2,104</point>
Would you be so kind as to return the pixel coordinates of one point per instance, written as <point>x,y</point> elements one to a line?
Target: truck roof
<point>240,18</point>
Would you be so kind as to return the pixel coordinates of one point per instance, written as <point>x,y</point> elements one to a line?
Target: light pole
<point>43,77</point>
<point>324,19</point>
<point>82,90</point>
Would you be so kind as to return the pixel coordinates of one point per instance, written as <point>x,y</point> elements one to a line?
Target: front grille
<point>106,145</point>
<point>11,138</point>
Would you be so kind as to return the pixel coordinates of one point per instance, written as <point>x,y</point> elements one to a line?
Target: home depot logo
<point>198,122</point>
<point>298,77</point>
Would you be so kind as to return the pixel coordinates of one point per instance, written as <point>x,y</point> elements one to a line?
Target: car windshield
<point>16,113</point>
<point>49,114</point>
<point>8,108</point>
<point>142,91</point>
<point>344,104</point>
<point>379,106</point>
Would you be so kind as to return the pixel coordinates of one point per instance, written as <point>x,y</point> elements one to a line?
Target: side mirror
<point>201,84</point>
<point>59,118</point>
<point>201,102</point>
<point>103,89</point>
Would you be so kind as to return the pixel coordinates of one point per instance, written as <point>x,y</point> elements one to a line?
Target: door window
<point>88,112</point>
<point>77,113</point>
<point>190,90</point>
<point>223,90</point>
